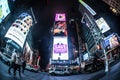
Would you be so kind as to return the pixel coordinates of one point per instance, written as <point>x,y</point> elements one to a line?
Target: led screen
<point>16,35</point>
<point>4,9</point>
<point>111,41</point>
<point>60,17</point>
<point>60,28</point>
<point>103,26</point>
<point>19,29</point>
<point>60,48</point>
<point>85,56</point>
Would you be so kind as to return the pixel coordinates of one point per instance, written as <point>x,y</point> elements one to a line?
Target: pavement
<point>113,74</point>
<point>27,75</point>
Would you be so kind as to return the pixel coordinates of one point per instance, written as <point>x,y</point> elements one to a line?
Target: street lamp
<point>101,39</point>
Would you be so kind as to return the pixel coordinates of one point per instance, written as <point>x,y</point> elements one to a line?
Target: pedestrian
<point>12,61</point>
<point>95,61</point>
<point>23,65</point>
<point>18,63</point>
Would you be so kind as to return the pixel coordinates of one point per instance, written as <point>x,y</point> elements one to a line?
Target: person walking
<point>18,63</point>
<point>12,61</point>
<point>23,65</point>
<point>95,62</point>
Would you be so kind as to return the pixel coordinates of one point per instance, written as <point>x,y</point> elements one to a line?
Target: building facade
<point>114,5</point>
<point>89,27</point>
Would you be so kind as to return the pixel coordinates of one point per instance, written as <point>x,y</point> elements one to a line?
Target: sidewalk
<point>113,74</point>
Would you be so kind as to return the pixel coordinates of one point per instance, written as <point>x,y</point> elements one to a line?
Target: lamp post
<point>101,39</point>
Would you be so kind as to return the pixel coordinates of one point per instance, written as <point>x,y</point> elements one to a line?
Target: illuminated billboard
<point>111,41</point>
<point>60,17</point>
<point>19,29</point>
<point>60,28</point>
<point>103,26</point>
<point>4,9</point>
<point>60,48</point>
<point>85,56</point>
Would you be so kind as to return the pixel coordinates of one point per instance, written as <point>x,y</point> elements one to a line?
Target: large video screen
<point>60,48</point>
<point>111,41</point>
<point>60,28</point>
<point>4,9</point>
<point>19,29</point>
<point>103,26</point>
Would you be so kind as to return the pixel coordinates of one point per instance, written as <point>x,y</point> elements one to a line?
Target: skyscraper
<point>114,5</point>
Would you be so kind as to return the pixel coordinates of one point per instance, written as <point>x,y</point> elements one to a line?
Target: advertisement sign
<point>60,17</point>
<point>60,28</point>
<point>19,30</point>
<point>60,48</point>
<point>111,41</point>
<point>103,26</point>
<point>4,9</point>
<point>85,56</point>
<point>16,35</point>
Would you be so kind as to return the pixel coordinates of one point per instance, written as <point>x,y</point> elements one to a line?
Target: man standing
<point>12,61</point>
<point>18,63</point>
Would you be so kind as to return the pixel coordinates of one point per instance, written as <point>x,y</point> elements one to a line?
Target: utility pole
<point>101,38</point>
<point>106,62</point>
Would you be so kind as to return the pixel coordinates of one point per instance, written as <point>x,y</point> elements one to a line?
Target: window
<point>21,29</point>
<point>17,26</point>
<point>24,32</point>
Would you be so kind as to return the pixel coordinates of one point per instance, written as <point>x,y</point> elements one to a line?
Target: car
<point>59,70</point>
<point>32,68</point>
<point>5,58</point>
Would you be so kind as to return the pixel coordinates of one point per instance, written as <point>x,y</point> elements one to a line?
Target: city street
<point>100,75</point>
<point>40,44</point>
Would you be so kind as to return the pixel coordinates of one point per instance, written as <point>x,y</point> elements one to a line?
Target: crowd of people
<point>17,63</point>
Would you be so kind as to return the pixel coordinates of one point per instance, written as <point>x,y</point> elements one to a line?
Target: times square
<point>60,39</point>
